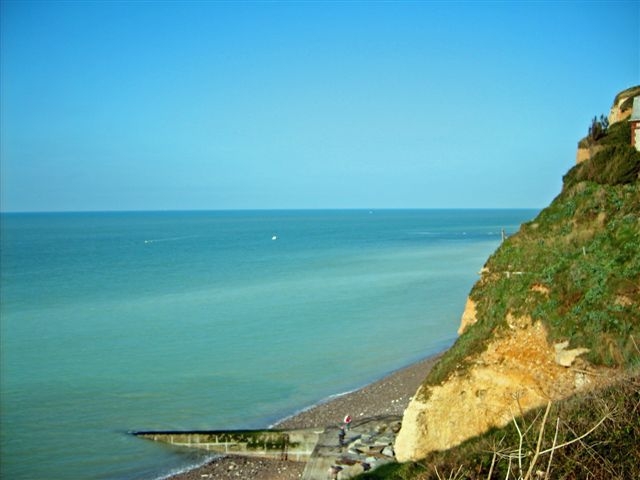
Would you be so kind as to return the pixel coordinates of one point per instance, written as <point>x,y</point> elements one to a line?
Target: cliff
<point>622,105</point>
<point>620,111</point>
<point>556,311</point>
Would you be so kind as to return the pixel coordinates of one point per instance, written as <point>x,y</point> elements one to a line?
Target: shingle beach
<point>388,396</point>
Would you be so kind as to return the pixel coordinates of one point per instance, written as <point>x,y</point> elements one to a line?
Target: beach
<point>388,396</point>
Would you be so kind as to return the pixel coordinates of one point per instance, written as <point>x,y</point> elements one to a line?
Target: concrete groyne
<point>366,445</point>
<point>296,445</point>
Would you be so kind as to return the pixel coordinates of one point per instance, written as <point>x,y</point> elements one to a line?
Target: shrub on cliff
<point>618,162</point>
<point>598,128</point>
<point>613,165</point>
<point>597,131</point>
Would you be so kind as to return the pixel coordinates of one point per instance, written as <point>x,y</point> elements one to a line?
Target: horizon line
<point>292,209</point>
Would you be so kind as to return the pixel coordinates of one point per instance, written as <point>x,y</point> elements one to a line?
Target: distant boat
<point>275,237</point>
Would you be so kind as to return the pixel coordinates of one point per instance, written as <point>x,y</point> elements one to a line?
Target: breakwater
<point>296,445</point>
<point>365,446</point>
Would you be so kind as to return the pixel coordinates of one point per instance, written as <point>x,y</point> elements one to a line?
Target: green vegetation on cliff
<point>576,267</point>
<point>615,163</point>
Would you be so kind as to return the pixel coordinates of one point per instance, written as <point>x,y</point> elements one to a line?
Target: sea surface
<point>113,322</point>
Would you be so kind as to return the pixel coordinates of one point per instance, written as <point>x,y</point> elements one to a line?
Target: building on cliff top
<point>634,119</point>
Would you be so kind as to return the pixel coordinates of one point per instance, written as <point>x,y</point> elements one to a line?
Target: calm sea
<point>112,322</point>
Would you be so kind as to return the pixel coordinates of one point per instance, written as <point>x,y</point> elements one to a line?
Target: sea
<point>113,322</point>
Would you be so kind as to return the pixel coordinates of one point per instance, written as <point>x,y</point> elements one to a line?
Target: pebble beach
<point>388,396</point>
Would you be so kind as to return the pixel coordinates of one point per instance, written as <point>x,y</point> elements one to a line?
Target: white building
<point>635,123</point>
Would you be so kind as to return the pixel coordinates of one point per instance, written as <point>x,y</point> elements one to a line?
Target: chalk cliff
<point>622,105</point>
<point>556,310</point>
<point>519,370</point>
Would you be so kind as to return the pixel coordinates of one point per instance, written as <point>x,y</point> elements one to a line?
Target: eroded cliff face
<point>468,316</point>
<point>520,370</point>
<point>587,153</point>
<point>621,108</point>
<point>566,282</point>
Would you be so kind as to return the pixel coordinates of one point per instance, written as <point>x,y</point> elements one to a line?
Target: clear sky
<point>235,105</point>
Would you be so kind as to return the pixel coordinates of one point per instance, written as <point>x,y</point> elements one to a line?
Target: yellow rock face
<point>468,316</point>
<point>516,373</point>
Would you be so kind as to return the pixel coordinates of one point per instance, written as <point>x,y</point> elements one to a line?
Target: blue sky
<point>236,105</point>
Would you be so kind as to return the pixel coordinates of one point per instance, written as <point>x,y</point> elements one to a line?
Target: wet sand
<point>388,396</point>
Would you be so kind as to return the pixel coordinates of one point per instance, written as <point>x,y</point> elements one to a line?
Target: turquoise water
<point>112,322</point>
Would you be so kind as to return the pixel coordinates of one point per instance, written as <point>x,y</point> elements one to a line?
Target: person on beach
<point>341,435</point>
<point>347,422</point>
